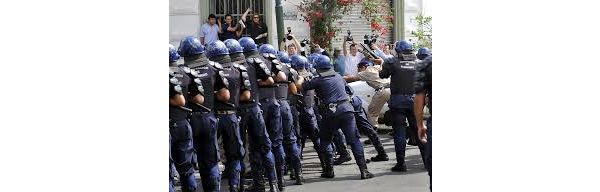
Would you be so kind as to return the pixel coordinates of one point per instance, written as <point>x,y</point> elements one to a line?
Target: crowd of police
<point>264,100</point>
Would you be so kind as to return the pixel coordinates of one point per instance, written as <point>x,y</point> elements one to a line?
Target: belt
<point>334,104</point>
<point>200,112</point>
<point>268,99</point>
<point>224,112</point>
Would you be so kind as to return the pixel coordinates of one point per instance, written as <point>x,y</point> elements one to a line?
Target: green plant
<point>378,12</point>
<point>423,32</point>
<point>321,16</point>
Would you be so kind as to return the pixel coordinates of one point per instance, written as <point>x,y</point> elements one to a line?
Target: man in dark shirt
<point>255,28</point>
<point>228,29</point>
<point>423,89</point>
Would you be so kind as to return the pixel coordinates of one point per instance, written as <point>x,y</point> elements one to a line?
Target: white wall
<point>291,18</point>
<point>184,20</point>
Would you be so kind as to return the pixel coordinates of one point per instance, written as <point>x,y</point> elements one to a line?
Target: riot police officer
<point>423,90</point>
<point>307,121</point>
<point>175,97</point>
<point>179,129</point>
<point>290,136</point>
<point>274,105</point>
<point>228,123</point>
<point>252,122</point>
<point>402,71</point>
<point>423,53</point>
<point>207,85</point>
<point>336,108</point>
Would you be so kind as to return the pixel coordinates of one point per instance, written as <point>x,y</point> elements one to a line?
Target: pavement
<point>347,175</point>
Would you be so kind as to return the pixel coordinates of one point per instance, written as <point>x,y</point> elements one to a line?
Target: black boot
<point>365,174</point>
<point>292,174</point>
<point>273,186</point>
<point>342,159</point>
<point>256,187</point>
<point>399,168</point>
<point>380,157</point>
<point>328,172</point>
<point>280,183</point>
<point>298,176</point>
<point>234,188</point>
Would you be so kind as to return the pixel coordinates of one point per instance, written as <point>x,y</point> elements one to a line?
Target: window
<point>236,8</point>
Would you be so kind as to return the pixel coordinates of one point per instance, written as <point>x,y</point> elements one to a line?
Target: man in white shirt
<point>352,59</point>
<point>210,31</point>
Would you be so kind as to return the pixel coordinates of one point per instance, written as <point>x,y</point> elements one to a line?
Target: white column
<point>271,22</point>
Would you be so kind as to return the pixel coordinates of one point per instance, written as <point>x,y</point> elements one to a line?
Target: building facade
<point>186,17</point>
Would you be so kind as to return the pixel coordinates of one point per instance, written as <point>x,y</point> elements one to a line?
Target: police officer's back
<point>179,128</point>
<point>336,108</point>
<point>239,86</point>
<point>207,86</point>
<point>252,118</point>
<point>401,69</point>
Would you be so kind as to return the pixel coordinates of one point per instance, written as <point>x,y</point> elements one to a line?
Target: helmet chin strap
<point>222,59</point>
<point>252,53</point>
<point>237,57</point>
<point>196,60</point>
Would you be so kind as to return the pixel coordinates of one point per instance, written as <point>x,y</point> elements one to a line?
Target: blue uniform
<point>207,79</point>
<point>181,133</point>
<point>228,122</point>
<point>363,124</point>
<point>271,115</point>
<point>287,121</point>
<point>402,73</point>
<point>337,113</point>
<point>253,124</point>
<point>307,120</point>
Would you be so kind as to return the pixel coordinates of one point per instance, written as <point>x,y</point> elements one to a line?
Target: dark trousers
<point>261,157</point>
<point>308,126</point>
<point>228,128</point>
<point>289,136</point>
<point>204,128</point>
<point>182,151</point>
<point>428,151</point>
<point>365,127</point>
<point>399,118</point>
<point>345,122</point>
<point>272,118</point>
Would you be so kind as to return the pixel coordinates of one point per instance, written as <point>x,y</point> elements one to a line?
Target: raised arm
<point>246,14</point>
<point>344,48</point>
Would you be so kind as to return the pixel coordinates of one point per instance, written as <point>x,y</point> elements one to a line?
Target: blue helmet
<point>268,51</point>
<point>283,57</point>
<point>233,46</point>
<point>299,62</point>
<point>423,51</point>
<point>215,49</point>
<point>248,44</point>
<point>323,62</point>
<point>173,56</point>
<point>365,62</point>
<point>403,46</point>
<point>311,58</point>
<point>190,46</point>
